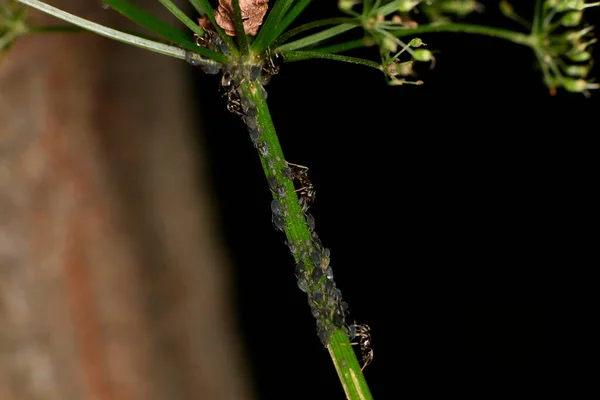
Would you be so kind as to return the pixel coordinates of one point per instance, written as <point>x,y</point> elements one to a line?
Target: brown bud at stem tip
<point>253,12</point>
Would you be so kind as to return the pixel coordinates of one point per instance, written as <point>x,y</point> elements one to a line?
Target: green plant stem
<point>123,37</point>
<point>306,55</point>
<point>536,26</point>
<point>317,37</point>
<point>515,37</point>
<point>297,231</point>
<point>344,359</point>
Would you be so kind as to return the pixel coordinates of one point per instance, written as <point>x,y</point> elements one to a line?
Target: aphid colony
<point>233,76</point>
<point>324,298</point>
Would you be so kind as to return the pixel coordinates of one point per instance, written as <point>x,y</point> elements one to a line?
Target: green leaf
<point>239,27</point>
<point>268,27</point>
<point>289,18</point>
<point>182,17</point>
<point>196,4</point>
<point>151,23</point>
<point>317,37</point>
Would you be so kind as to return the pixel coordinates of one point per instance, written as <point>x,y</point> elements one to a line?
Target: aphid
<point>315,257</point>
<point>273,183</point>
<point>255,71</point>
<point>338,318</point>
<point>323,335</point>
<point>363,332</point>
<point>303,285</point>
<point>278,221</point>
<point>329,273</point>
<point>317,296</point>
<point>325,259</point>
<point>281,191</point>
<point>292,246</point>
<point>316,240</point>
<point>287,172</point>
<point>263,148</point>
<point>299,269</point>
<point>316,275</point>
<point>307,191</point>
<point>254,136</point>
<point>310,221</point>
<point>276,207</point>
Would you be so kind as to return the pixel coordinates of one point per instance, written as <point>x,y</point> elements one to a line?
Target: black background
<point>447,207</point>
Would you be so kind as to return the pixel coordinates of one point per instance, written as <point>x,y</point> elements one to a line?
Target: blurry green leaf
<point>180,15</point>
<point>152,23</point>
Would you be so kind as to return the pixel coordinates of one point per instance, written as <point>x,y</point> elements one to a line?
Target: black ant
<point>230,88</point>
<point>363,332</point>
<point>307,191</point>
<point>273,62</point>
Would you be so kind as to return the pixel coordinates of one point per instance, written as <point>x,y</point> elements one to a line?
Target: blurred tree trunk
<point>113,284</point>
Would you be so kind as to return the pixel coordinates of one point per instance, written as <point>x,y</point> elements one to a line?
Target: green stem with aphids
<point>297,231</point>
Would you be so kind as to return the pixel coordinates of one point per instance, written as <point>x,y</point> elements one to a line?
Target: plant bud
<point>580,56</point>
<point>574,85</point>
<point>572,18</point>
<point>406,5</point>
<point>422,55</point>
<point>579,71</point>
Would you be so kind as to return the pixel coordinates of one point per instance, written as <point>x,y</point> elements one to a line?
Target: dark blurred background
<point>445,206</point>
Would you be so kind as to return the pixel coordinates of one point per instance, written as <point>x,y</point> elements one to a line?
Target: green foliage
<point>193,26</point>
<point>151,23</point>
<point>12,24</point>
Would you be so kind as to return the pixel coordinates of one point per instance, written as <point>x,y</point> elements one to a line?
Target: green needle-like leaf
<point>133,40</point>
<point>289,18</point>
<point>317,37</point>
<point>196,4</point>
<point>268,27</point>
<point>239,27</point>
<point>182,17</point>
<point>307,55</point>
<point>150,22</point>
<point>312,25</point>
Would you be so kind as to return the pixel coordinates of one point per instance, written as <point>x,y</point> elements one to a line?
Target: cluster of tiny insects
<point>324,298</point>
<point>228,85</point>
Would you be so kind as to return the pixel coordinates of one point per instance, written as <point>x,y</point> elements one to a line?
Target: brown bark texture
<point>113,282</point>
